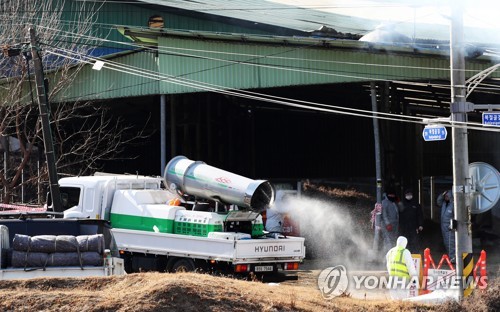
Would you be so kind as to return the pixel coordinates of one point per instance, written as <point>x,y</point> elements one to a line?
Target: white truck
<point>156,228</point>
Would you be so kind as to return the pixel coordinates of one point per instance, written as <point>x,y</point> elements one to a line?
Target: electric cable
<point>272,99</point>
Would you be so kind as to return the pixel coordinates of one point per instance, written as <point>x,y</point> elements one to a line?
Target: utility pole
<point>44,115</point>
<point>376,136</point>
<point>459,108</point>
<point>378,168</point>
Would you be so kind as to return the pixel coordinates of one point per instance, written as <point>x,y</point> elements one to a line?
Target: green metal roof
<point>91,84</point>
<point>310,16</point>
<point>199,61</point>
<point>137,14</point>
<point>271,13</point>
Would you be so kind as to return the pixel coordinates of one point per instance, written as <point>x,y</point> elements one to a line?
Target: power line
<point>164,50</point>
<point>262,97</point>
<point>259,56</point>
<point>73,35</point>
<point>204,86</point>
<point>187,82</point>
<point>258,64</point>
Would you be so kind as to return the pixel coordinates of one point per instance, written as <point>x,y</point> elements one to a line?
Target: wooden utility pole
<point>44,115</point>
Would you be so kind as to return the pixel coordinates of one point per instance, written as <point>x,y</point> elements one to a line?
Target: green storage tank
<point>143,210</point>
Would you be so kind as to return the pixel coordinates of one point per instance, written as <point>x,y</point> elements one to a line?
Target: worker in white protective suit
<point>274,221</point>
<point>390,219</point>
<point>401,267</point>
<point>445,201</point>
<point>275,215</point>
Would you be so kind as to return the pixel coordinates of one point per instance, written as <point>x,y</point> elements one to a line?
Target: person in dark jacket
<point>411,220</point>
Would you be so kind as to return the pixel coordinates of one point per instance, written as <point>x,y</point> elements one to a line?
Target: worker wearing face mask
<point>411,220</point>
<point>445,200</point>
<point>390,220</point>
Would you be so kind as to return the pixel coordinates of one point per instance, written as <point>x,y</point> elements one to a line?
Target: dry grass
<point>175,292</point>
<point>484,300</point>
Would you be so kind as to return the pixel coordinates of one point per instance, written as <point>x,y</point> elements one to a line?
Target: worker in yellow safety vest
<point>400,264</point>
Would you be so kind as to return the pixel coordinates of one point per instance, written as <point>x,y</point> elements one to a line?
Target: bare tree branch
<point>85,134</point>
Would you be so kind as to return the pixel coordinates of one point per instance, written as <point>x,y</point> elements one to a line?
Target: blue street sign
<point>491,119</point>
<point>434,133</point>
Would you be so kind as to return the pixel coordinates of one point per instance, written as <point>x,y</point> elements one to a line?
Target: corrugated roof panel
<point>311,18</point>
<point>250,65</point>
<point>266,12</point>
<point>133,15</point>
<point>107,84</point>
<point>191,62</point>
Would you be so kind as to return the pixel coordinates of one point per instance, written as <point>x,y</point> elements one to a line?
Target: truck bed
<point>33,227</point>
<point>117,268</point>
<point>260,250</point>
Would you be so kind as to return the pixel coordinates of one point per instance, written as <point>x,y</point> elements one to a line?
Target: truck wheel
<point>183,265</point>
<point>128,264</point>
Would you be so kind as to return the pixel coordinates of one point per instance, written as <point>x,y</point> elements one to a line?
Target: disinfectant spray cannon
<point>199,179</point>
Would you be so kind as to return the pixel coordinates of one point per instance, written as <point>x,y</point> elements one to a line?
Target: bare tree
<point>84,134</point>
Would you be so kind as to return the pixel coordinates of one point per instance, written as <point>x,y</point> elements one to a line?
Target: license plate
<point>264,268</point>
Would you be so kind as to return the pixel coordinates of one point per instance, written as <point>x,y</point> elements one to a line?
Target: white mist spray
<point>334,233</point>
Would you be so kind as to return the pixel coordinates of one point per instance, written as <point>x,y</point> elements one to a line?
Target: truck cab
<point>92,196</point>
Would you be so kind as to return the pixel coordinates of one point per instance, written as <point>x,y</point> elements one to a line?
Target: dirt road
<point>310,271</point>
